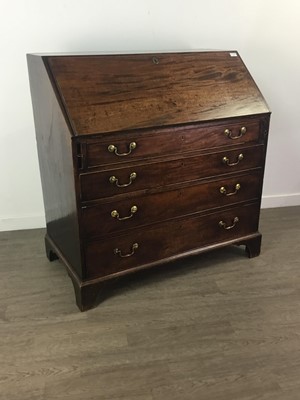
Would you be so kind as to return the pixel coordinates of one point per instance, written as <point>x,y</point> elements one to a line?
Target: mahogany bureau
<point>146,158</point>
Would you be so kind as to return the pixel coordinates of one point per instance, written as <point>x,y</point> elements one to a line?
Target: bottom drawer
<point>168,239</point>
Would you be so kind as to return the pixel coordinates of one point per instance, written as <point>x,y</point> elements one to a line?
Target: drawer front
<point>154,175</point>
<point>141,145</point>
<point>156,243</point>
<point>121,215</point>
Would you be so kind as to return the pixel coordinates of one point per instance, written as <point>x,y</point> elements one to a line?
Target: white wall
<point>266,33</point>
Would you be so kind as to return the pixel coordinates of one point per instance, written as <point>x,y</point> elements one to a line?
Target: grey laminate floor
<point>218,326</point>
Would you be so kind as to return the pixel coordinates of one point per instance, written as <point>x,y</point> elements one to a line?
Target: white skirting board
<point>281,200</point>
<point>16,223</point>
<point>13,223</point>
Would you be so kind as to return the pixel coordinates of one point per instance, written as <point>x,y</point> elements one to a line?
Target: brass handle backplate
<point>223,224</point>
<point>223,190</point>
<point>228,133</point>
<point>115,214</point>
<point>113,149</point>
<point>115,180</point>
<point>231,164</point>
<point>118,252</point>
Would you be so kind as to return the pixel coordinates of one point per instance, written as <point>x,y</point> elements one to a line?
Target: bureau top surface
<point>107,93</point>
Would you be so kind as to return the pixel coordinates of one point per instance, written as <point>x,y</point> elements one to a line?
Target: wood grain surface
<point>156,207</point>
<point>55,151</point>
<point>176,140</point>
<point>216,327</point>
<point>163,174</point>
<point>155,243</point>
<point>105,93</point>
<point>206,119</point>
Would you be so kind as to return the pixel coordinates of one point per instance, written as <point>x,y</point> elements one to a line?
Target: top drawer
<point>137,145</point>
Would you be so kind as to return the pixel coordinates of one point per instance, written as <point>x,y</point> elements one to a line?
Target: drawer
<point>145,246</point>
<point>120,215</point>
<point>147,144</point>
<point>155,175</point>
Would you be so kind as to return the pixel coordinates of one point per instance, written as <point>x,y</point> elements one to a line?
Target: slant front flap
<point>106,93</point>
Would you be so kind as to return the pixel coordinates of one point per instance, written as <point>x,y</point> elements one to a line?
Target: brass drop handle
<point>231,164</point>
<point>228,133</point>
<point>113,149</point>
<point>224,191</point>
<point>115,214</point>
<point>115,180</point>
<point>223,224</point>
<point>118,252</point>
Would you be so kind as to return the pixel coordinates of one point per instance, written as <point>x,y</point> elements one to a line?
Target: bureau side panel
<point>54,142</point>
